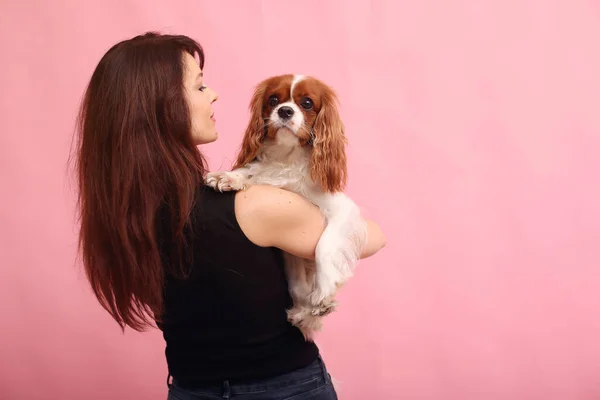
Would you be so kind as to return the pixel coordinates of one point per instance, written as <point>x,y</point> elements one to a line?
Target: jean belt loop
<point>326,376</point>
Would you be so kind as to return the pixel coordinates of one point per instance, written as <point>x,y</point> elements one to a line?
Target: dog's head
<point>307,108</point>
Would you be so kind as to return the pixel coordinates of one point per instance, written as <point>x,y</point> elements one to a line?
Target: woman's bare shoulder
<point>270,199</point>
<point>274,217</point>
<point>271,216</point>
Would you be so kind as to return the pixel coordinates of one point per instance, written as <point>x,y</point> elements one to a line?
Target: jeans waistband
<point>227,387</point>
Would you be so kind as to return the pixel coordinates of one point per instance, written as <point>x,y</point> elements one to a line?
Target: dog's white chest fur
<point>283,162</point>
<point>284,149</point>
<point>286,139</point>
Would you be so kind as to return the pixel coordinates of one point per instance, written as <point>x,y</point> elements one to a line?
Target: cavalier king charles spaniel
<point>295,140</point>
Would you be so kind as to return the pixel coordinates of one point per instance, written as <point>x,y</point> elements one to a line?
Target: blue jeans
<point>309,383</point>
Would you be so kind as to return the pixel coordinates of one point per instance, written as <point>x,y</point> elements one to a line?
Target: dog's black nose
<point>285,112</point>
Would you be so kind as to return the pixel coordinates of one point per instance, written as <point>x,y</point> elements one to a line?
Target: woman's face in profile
<point>200,99</point>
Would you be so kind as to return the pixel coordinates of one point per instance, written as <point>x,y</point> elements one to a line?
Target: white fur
<point>284,163</point>
<point>297,78</point>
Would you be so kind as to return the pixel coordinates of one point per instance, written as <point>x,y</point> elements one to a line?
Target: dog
<point>295,140</point>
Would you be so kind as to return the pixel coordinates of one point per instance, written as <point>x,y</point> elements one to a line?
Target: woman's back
<point>227,319</point>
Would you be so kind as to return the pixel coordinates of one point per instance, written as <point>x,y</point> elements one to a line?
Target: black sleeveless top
<point>227,319</point>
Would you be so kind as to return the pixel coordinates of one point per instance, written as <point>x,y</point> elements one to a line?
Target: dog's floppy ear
<point>328,166</point>
<point>255,130</point>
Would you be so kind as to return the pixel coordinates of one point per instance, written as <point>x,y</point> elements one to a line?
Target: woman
<point>160,247</point>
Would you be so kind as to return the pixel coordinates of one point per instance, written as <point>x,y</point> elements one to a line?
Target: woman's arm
<point>275,217</point>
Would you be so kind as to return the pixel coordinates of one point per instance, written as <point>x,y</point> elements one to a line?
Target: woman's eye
<point>202,88</point>
<point>273,100</point>
<point>306,103</point>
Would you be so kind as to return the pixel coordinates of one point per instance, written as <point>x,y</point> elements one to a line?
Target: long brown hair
<point>135,157</point>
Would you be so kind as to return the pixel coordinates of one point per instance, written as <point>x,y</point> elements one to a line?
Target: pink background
<point>474,138</point>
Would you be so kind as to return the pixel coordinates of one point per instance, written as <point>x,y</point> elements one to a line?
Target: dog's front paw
<point>224,181</point>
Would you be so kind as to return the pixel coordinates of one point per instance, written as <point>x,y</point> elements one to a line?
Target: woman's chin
<point>206,139</point>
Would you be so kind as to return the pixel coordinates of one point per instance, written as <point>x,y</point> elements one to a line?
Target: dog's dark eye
<point>273,100</point>
<point>306,103</point>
